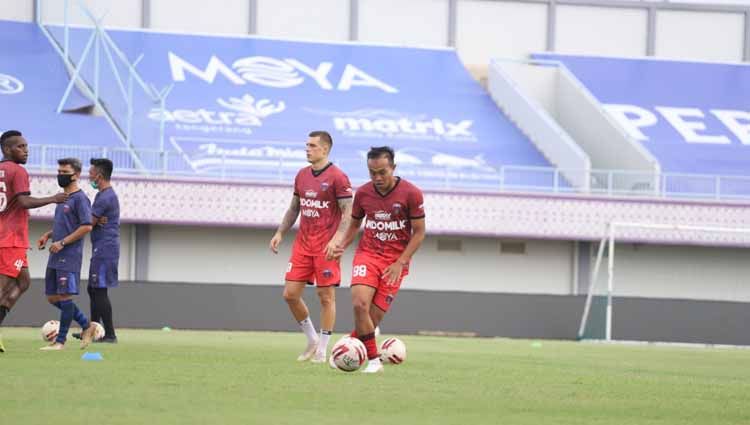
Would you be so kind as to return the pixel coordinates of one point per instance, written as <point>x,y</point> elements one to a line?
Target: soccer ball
<point>349,354</point>
<point>50,330</point>
<point>393,351</point>
<point>99,331</point>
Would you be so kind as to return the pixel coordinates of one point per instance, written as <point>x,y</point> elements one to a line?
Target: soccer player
<point>394,230</point>
<point>105,243</point>
<point>15,201</point>
<point>323,199</point>
<point>72,222</point>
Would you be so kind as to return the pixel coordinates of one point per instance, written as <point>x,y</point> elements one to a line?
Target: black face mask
<point>64,180</point>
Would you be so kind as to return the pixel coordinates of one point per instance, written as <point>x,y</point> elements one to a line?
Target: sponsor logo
<point>208,155</point>
<point>314,203</point>
<point>238,116</point>
<point>10,84</point>
<point>311,194</point>
<point>692,125</point>
<point>388,299</point>
<point>66,208</point>
<point>382,215</point>
<point>327,273</point>
<point>385,236</point>
<point>386,225</point>
<point>277,73</point>
<point>384,123</point>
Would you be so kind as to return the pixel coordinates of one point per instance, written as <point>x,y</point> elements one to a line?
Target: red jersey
<point>320,215</point>
<point>387,218</point>
<point>14,220</point>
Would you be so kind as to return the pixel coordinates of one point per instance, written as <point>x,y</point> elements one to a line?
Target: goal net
<point>598,314</point>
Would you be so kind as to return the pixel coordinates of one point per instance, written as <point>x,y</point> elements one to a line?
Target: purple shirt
<point>105,238</point>
<point>71,215</point>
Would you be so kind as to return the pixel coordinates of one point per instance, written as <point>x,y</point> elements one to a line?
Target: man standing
<point>394,231</point>
<point>15,201</point>
<point>105,242</point>
<point>323,197</point>
<point>72,222</point>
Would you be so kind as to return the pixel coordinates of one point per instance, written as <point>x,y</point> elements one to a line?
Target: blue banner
<point>243,106</point>
<point>32,82</point>
<point>693,117</point>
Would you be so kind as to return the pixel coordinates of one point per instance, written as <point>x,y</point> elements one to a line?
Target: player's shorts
<point>369,271</point>
<point>61,282</point>
<point>103,273</point>
<point>12,260</point>
<point>313,269</point>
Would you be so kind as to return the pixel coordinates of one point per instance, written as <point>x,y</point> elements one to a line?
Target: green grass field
<point>188,377</point>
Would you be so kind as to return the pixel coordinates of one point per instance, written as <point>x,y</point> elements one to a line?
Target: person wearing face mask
<point>71,223</point>
<point>105,243</point>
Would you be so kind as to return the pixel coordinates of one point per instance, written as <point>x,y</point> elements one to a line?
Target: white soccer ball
<point>50,330</point>
<point>393,351</point>
<point>99,331</point>
<point>349,354</point>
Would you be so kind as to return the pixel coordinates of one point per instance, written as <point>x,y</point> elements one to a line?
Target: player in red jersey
<point>15,201</point>
<point>394,230</point>
<point>323,199</point>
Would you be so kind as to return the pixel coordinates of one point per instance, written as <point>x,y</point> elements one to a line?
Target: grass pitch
<point>188,377</point>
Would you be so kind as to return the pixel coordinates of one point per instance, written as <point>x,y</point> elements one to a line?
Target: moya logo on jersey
<point>276,73</point>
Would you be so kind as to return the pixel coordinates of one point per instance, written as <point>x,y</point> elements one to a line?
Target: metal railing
<point>506,178</point>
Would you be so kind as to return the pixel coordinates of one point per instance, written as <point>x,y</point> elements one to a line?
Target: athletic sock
<point>353,334</point>
<point>325,336</point>
<point>309,329</point>
<point>105,311</point>
<point>3,312</point>
<point>95,315</point>
<point>67,311</point>
<point>370,345</point>
<point>79,317</point>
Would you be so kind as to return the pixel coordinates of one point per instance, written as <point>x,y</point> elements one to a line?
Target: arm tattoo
<point>290,216</point>
<point>345,205</point>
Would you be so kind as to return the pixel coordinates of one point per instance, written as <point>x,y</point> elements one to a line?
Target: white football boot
<point>308,353</point>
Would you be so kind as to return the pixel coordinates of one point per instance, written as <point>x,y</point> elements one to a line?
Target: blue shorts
<point>103,273</point>
<point>61,282</point>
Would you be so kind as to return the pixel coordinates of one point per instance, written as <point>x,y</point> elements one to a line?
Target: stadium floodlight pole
<point>610,280</point>
<point>118,53</point>
<point>110,59</point>
<point>129,125</point>
<point>162,97</point>
<point>66,30</point>
<point>77,73</point>
<point>154,96</point>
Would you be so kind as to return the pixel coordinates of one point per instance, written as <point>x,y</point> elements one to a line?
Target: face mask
<point>94,184</point>
<point>64,180</point>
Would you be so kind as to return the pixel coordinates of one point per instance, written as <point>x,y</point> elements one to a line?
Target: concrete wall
<point>216,255</point>
<point>480,29</point>
<point>242,307</point>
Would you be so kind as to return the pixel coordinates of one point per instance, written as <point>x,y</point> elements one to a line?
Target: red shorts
<point>12,260</point>
<point>313,269</point>
<point>368,271</point>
